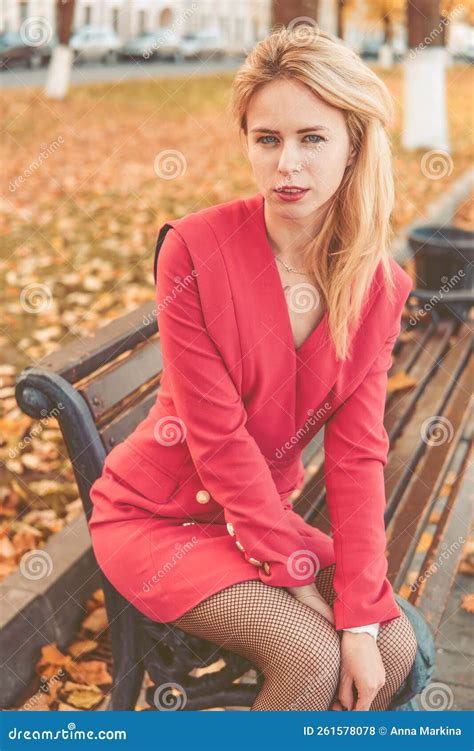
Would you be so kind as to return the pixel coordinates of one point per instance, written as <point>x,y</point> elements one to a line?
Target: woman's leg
<point>396,642</point>
<point>295,648</point>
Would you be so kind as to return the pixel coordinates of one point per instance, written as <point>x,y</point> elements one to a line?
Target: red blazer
<point>237,405</point>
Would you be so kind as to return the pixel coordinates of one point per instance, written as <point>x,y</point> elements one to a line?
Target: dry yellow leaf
<point>63,707</point>
<point>399,382</point>
<point>85,697</point>
<point>96,621</point>
<point>51,659</point>
<point>92,672</point>
<point>467,603</point>
<point>78,648</point>
<point>425,541</point>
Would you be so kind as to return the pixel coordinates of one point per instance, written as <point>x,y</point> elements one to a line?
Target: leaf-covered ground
<point>86,191</point>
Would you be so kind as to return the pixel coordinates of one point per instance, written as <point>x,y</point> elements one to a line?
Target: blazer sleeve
<point>356,448</point>
<point>227,458</point>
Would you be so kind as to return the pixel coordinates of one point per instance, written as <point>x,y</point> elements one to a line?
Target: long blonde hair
<point>356,233</point>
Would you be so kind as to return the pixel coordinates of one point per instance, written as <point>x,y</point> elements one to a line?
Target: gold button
<point>230,529</point>
<point>254,561</point>
<point>202,496</point>
<point>266,568</point>
<point>240,546</point>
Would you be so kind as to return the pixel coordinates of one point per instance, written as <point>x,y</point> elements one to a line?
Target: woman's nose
<point>289,162</point>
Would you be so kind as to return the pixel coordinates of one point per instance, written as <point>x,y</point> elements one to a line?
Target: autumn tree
<point>425,121</point>
<point>286,11</point>
<point>343,8</point>
<point>59,71</point>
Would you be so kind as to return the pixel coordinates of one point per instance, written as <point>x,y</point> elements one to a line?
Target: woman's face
<point>282,155</point>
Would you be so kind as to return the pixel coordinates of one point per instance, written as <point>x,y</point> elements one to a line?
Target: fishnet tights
<point>295,648</point>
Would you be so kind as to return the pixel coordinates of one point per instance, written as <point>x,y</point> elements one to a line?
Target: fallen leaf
<point>467,603</point>
<point>78,648</point>
<point>91,672</point>
<point>82,697</point>
<point>96,621</point>
<point>400,382</point>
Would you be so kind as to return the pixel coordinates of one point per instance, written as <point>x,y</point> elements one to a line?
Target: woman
<point>277,315</point>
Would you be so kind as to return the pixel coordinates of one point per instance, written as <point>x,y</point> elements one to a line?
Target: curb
<point>35,612</point>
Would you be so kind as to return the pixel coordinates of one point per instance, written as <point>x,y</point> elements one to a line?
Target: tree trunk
<point>340,19</point>
<point>425,122</point>
<point>285,11</point>
<point>59,70</point>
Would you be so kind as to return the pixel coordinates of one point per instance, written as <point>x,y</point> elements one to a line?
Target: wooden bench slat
<point>79,359</point>
<point>125,422</point>
<point>112,387</point>
<point>405,454</point>
<point>425,480</point>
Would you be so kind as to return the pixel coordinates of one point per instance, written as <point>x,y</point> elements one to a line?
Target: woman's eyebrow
<point>277,132</point>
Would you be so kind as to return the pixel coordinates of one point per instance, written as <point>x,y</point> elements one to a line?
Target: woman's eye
<point>263,139</point>
<point>313,135</point>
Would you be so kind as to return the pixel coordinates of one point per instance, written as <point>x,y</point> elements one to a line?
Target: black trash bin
<point>443,262</point>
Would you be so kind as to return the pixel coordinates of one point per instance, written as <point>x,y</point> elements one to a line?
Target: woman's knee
<point>312,646</point>
<point>399,645</point>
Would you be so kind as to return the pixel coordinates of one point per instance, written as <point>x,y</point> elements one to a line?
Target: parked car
<point>152,45</point>
<point>202,44</point>
<point>95,43</point>
<point>370,49</point>
<point>465,55</point>
<point>14,50</point>
<point>168,45</point>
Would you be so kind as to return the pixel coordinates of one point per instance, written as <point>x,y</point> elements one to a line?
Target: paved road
<point>99,72</point>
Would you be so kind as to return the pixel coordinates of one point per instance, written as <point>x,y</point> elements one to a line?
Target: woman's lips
<point>290,196</point>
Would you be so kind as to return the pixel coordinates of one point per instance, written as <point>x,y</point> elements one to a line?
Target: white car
<point>95,43</point>
<point>168,45</point>
<point>202,44</point>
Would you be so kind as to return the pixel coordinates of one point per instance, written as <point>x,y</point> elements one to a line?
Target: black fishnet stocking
<point>295,648</point>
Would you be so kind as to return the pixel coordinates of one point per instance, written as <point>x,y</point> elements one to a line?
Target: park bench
<point>107,384</point>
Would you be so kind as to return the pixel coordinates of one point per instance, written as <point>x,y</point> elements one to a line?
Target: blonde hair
<point>356,233</point>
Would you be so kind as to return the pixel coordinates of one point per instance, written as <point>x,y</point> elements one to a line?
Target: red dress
<point>196,498</point>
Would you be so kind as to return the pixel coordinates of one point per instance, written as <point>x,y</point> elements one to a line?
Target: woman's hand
<point>361,665</point>
<point>310,595</point>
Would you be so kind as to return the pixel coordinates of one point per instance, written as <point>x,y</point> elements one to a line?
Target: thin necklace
<point>289,268</point>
